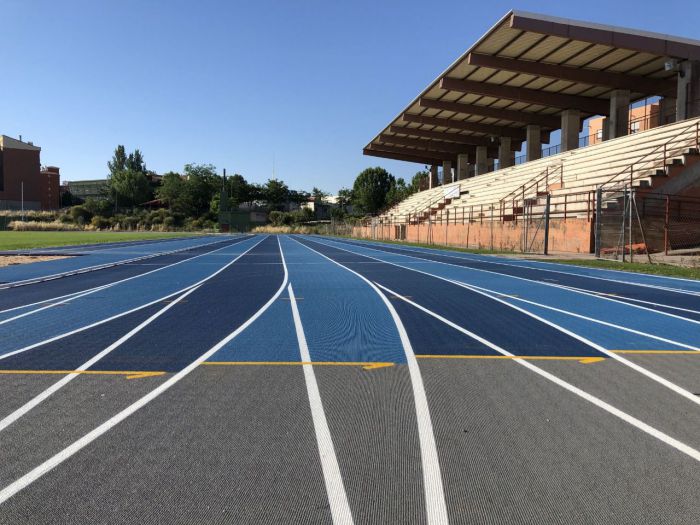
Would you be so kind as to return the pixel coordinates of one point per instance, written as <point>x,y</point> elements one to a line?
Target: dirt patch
<point>8,260</point>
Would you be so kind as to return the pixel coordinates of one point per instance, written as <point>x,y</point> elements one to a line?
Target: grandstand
<point>525,78</point>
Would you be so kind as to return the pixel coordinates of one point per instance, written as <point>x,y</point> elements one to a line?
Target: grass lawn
<point>656,269</point>
<point>11,240</point>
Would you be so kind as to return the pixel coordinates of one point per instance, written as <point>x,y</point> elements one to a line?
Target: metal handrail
<point>665,145</point>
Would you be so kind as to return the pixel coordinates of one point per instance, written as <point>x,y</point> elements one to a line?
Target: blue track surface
<point>516,377</point>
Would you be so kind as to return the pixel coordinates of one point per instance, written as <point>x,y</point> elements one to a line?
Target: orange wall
<point>571,235</point>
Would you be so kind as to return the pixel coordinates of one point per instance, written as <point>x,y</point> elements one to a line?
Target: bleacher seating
<point>643,158</point>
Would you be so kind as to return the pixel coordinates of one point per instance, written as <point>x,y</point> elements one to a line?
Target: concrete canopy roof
<point>527,69</point>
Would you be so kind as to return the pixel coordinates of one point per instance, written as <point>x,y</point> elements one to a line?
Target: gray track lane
<point>515,449</point>
<point>225,445</point>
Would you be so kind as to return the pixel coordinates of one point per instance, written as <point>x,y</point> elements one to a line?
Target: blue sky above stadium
<point>302,85</point>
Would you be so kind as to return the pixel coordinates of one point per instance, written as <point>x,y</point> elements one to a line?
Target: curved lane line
<point>436,508</point>
<point>122,314</point>
<point>82,293</point>
<point>51,463</point>
<point>678,445</point>
<point>648,373</point>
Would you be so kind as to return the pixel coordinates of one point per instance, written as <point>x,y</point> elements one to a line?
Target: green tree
<point>419,181</point>
<point>130,187</point>
<point>239,190</point>
<point>201,184</point>
<point>344,198</point>
<point>171,189</point>
<point>276,193</point>
<point>371,188</point>
<point>398,192</point>
<point>319,196</point>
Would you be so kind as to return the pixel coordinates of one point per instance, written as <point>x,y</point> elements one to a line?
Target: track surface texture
<point>304,379</point>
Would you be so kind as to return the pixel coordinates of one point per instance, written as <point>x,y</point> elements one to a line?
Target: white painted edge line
<point>678,445</point>
<point>43,396</point>
<point>587,318</point>
<point>543,283</point>
<point>48,465</point>
<point>335,489</point>
<point>82,293</point>
<point>468,257</point>
<point>122,314</point>
<point>436,508</point>
<point>648,373</point>
<point>631,364</point>
<point>103,266</point>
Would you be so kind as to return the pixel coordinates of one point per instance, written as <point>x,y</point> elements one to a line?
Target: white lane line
<point>48,465</point>
<point>127,312</point>
<point>64,299</point>
<point>597,295</point>
<point>587,318</point>
<point>436,508</point>
<point>337,498</point>
<point>77,271</point>
<point>648,373</point>
<point>466,257</point>
<point>43,396</point>
<point>678,445</point>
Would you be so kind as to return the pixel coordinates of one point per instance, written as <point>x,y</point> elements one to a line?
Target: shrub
<point>42,226</point>
<point>276,217</point>
<point>80,215</point>
<point>100,223</point>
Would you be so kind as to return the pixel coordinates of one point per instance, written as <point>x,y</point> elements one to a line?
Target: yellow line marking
<point>365,365</point>
<point>657,352</point>
<point>581,359</point>
<point>129,374</point>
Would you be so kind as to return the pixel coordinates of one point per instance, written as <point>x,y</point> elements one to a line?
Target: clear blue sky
<point>309,82</point>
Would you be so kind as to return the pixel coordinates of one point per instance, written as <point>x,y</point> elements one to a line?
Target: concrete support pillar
<point>462,166</point>
<point>619,121</point>
<point>481,163</point>
<point>533,146</point>
<point>570,125</point>
<point>447,172</point>
<point>667,110</point>
<point>505,159</point>
<point>433,179</point>
<point>688,96</point>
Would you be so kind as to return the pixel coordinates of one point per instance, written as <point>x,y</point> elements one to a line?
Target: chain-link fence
<point>637,225</point>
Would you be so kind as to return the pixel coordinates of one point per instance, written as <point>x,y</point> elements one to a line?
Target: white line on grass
<point>122,314</point>
<point>678,445</point>
<point>651,375</point>
<point>436,508</point>
<point>337,498</point>
<point>48,465</point>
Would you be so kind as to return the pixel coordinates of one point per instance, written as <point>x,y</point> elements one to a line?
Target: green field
<point>11,240</point>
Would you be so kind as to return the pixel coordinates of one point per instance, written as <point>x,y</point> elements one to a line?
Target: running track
<point>298,379</point>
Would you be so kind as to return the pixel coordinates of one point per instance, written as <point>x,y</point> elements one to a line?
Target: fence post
<point>666,219</point>
<point>598,209</point>
<point>546,225</point>
<point>632,203</point>
<point>491,227</point>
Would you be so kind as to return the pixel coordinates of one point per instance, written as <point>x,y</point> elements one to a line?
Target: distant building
<point>88,189</point>
<point>23,182</point>
<point>641,118</point>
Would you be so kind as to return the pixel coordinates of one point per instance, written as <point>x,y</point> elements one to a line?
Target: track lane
<point>661,299</point>
<point>20,299</point>
<point>256,266</point>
